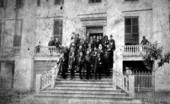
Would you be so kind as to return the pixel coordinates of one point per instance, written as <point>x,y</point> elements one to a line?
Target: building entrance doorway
<point>95,34</point>
<point>95,30</point>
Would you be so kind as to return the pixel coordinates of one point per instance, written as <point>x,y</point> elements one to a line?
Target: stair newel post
<point>38,83</point>
<point>53,78</point>
<point>131,85</point>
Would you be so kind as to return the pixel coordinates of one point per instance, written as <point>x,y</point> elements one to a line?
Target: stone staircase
<point>84,91</point>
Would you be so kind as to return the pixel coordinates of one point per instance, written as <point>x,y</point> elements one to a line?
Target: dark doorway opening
<point>95,34</point>
<point>136,67</point>
<point>95,30</point>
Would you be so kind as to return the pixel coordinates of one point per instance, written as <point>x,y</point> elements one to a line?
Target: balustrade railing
<point>126,83</point>
<point>47,51</point>
<point>9,51</point>
<point>47,79</point>
<point>144,81</point>
<point>134,50</point>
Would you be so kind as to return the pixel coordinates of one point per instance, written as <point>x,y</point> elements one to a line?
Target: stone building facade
<point>26,23</point>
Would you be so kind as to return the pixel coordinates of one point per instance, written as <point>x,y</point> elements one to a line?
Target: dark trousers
<point>107,70</point>
<point>88,69</point>
<point>72,73</point>
<point>80,72</point>
<point>98,72</point>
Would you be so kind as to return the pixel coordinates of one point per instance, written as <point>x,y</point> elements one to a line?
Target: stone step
<point>83,89</point>
<point>84,85</point>
<point>105,82</point>
<point>86,101</point>
<point>83,96</point>
<point>116,93</point>
<point>77,74</point>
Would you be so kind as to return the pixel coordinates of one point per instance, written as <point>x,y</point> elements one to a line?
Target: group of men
<point>92,55</point>
<point>54,42</point>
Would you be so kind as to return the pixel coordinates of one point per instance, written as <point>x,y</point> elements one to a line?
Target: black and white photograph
<point>84,51</point>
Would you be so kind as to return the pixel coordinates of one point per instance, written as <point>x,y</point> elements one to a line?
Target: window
<point>19,3</point>
<point>57,2</point>
<point>38,2</point>
<point>1,3</point>
<point>95,1</point>
<point>131,31</point>
<point>58,29</point>
<point>0,67</point>
<point>17,35</point>
<point>131,0</point>
<point>0,33</point>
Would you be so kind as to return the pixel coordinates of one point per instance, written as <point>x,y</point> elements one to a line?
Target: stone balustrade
<point>45,51</point>
<point>134,50</point>
<point>125,82</point>
<point>46,80</point>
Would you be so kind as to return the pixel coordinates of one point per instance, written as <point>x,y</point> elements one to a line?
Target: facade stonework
<point>36,24</point>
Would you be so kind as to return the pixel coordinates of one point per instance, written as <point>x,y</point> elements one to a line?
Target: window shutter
<point>131,31</point>
<point>17,41</point>
<point>59,2</point>
<point>19,3</point>
<point>58,29</point>
<point>38,2</point>
<point>17,36</point>
<point>1,3</point>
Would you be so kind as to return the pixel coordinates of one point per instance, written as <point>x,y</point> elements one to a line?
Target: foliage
<point>155,52</point>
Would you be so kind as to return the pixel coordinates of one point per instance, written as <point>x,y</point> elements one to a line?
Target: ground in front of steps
<point>15,97</point>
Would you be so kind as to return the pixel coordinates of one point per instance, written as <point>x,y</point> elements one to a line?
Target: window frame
<point>61,2</point>
<point>131,0</point>
<point>2,4</point>
<point>136,42</point>
<point>89,2</point>
<point>15,37</point>
<point>60,35</point>
<point>19,3</point>
<point>1,33</point>
<point>38,3</point>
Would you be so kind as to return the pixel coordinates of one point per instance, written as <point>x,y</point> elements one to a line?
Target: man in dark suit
<point>72,63</point>
<point>88,64</point>
<point>80,61</point>
<point>113,47</point>
<point>98,66</point>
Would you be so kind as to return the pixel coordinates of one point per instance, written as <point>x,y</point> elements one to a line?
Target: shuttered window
<point>95,1</point>
<point>18,34</point>
<point>38,2</point>
<point>1,3</point>
<point>131,31</point>
<point>19,3</point>
<point>57,2</point>
<point>0,33</point>
<point>58,29</point>
<point>131,0</point>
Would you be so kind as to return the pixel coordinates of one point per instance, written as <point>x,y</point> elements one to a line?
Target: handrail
<point>126,83</point>
<point>46,80</point>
